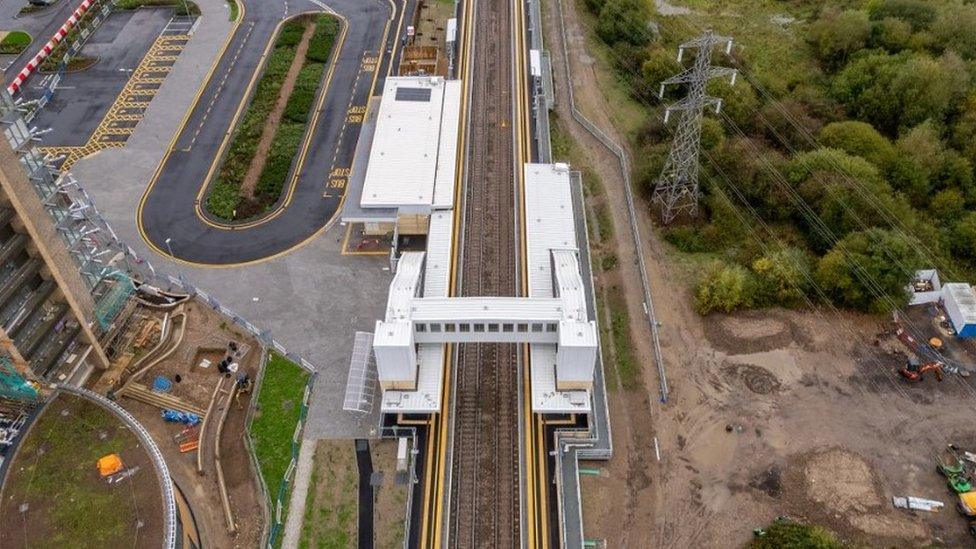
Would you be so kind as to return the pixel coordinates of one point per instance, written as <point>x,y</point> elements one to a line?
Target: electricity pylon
<point>677,188</point>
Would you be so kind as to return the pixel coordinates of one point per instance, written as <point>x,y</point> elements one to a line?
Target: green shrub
<point>303,95</point>
<point>320,48</point>
<point>786,533</point>
<point>280,157</point>
<point>782,277</point>
<point>724,287</point>
<point>291,34</point>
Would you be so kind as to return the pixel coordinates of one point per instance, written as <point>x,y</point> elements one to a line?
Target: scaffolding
<point>108,307</point>
<point>13,385</point>
<point>87,236</point>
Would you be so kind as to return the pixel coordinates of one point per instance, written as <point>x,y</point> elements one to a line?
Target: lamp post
<point>172,256</point>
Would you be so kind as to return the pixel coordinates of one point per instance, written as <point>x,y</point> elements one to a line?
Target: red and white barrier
<point>32,65</point>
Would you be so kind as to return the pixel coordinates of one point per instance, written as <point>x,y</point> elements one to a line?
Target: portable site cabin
<point>959,302</point>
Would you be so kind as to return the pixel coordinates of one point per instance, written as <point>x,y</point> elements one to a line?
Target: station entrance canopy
<point>560,320</point>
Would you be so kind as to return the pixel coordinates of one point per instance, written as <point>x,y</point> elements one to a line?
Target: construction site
<point>126,397</point>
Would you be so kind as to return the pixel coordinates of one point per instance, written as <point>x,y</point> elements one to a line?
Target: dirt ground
<point>332,508</point>
<point>54,496</point>
<point>390,497</point>
<point>770,413</point>
<point>332,504</point>
<point>207,335</point>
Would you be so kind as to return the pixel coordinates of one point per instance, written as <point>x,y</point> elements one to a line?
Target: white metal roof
<point>417,122</point>
<point>549,221</point>
<point>545,397</point>
<point>486,309</point>
<point>965,299</point>
<point>427,397</point>
<point>444,179</point>
<point>552,249</point>
<point>403,288</point>
<point>439,241</point>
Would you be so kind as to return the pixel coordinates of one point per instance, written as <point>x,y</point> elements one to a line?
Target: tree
<point>963,240</point>
<point>836,35</point>
<point>917,13</point>
<point>859,139</point>
<point>789,122</point>
<point>902,90</point>
<point>948,205</point>
<point>891,34</point>
<point>868,270</point>
<point>953,29</point>
<point>658,65</point>
<point>783,276</point>
<point>724,287</point>
<point>623,21</point>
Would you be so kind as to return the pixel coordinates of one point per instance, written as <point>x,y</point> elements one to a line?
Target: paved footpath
<point>312,300</point>
<point>296,508</point>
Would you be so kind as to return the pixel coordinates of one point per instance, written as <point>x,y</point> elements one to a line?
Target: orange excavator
<point>914,371</point>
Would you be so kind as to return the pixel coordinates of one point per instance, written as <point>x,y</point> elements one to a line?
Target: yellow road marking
<point>106,134</point>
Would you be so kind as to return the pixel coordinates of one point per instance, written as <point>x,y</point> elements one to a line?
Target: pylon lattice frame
<point>677,188</point>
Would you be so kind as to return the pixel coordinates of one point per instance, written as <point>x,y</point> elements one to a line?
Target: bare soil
<point>206,332</point>
<point>274,117</point>
<point>771,413</point>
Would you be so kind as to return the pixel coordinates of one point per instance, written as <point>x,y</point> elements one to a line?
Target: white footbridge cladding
<point>409,342</point>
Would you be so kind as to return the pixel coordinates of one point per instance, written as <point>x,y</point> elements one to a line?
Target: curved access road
<point>171,208</point>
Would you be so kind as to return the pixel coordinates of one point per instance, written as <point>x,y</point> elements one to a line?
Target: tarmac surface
<point>82,98</point>
<point>171,208</point>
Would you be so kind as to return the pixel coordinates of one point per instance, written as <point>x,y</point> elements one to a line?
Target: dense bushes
<point>224,199</point>
<point>857,155</point>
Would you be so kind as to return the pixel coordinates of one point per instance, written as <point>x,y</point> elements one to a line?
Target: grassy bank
<point>279,409</point>
<point>182,7</point>
<point>225,199</point>
<point>15,42</point>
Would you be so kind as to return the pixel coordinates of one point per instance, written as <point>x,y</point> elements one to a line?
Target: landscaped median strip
<point>227,198</point>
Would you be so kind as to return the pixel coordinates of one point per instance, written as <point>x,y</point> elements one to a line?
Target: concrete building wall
<point>39,226</point>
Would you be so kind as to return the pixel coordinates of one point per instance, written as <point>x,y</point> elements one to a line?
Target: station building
<point>406,157</point>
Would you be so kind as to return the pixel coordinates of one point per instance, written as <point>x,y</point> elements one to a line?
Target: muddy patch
<point>748,332</point>
<point>757,379</point>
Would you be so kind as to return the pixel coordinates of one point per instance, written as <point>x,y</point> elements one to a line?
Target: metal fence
<point>621,154</point>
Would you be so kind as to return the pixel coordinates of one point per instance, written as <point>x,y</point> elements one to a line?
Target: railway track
<point>484,509</point>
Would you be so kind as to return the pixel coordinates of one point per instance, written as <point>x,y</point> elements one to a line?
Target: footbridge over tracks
<point>560,320</point>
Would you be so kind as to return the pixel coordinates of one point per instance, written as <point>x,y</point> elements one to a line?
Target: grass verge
<point>15,42</point>
<point>279,409</point>
<point>182,7</point>
<point>224,199</point>
<point>332,502</point>
<point>235,9</point>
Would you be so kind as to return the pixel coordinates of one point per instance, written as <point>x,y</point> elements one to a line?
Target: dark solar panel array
<point>413,94</point>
